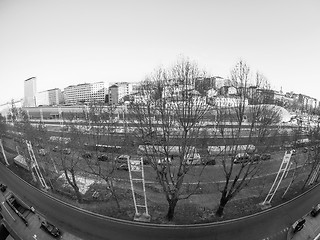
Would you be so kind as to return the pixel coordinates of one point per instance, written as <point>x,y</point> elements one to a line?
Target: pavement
<point>18,229</point>
<point>310,230</point>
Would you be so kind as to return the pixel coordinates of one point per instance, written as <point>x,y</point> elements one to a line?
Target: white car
<point>123,158</point>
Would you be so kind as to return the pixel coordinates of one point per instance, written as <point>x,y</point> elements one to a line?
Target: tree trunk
<point>172,206</point>
<point>220,210</point>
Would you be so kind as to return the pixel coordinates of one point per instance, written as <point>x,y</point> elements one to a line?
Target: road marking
<point>8,211</point>
<point>277,234</point>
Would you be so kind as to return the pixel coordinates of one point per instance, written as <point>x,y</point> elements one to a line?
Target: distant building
<point>118,91</point>
<point>49,97</point>
<point>30,91</point>
<point>227,101</point>
<point>84,93</point>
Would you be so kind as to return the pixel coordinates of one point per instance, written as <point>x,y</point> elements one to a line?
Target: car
<point>293,152</point>
<point>42,152</point>
<point>255,157</point>
<point>312,148</point>
<point>87,155</point>
<point>3,187</point>
<point>123,166</point>
<point>66,151</point>
<point>209,161</point>
<point>55,149</point>
<point>164,161</point>
<point>146,161</point>
<point>298,225</point>
<point>123,158</point>
<point>102,157</point>
<point>315,210</point>
<point>241,158</point>
<point>50,228</point>
<point>305,149</point>
<point>265,156</point>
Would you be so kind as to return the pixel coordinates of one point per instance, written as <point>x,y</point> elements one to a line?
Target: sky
<point>67,42</point>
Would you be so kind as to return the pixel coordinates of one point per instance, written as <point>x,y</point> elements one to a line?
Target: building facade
<point>117,91</point>
<point>84,93</point>
<point>30,91</point>
<point>49,97</point>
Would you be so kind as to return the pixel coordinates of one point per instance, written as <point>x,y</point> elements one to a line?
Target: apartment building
<point>49,97</point>
<point>84,93</point>
<point>117,91</point>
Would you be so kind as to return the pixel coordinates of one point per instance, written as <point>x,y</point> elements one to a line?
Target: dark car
<point>3,187</point>
<point>265,156</point>
<point>102,157</point>
<point>66,151</point>
<point>209,161</point>
<point>298,225</point>
<point>315,210</point>
<point>87,155</point>
<point>123,166</point>
<point>255,157</point>
<point>55,149</point>
<point>50,228</point>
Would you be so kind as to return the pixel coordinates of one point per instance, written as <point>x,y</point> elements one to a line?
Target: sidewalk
<point>18,229</point>
<point>310,231</point>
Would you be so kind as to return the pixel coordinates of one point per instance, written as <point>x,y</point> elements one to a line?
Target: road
<point>273,223</point>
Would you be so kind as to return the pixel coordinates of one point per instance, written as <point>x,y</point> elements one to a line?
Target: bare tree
<point>170,114</point>
<point>242,128</point>
<point>68,157</point>
<point>103,121</point>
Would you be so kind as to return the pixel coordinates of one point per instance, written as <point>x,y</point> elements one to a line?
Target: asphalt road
<point>89,226</point>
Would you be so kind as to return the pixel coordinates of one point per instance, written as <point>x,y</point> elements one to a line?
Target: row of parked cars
<point>245,157</point>
<point>298,225</point>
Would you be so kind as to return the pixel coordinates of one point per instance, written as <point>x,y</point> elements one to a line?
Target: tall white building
<point>30,91</point>
<point>84,93</point>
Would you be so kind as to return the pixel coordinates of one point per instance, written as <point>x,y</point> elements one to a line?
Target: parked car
<point>55,149</point>
<point>298,225</point>
<point>164,161</point>
<point>42,152</point>
<point>146,161</point>
<point>305,149</point>
<point>265,156</point>
<point>255,157</point>
<point>50,228</point>
<point>315,210</point>
<point>66,151</point>
<point>123,158</point>
<point>241,158</point>
<point>312,148</point>
<point>87,155</point>
<point>102,157</point>
<point>209,161</point>
<point>123,166</point>
<point>3,187</point>
<point>293,152</point>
